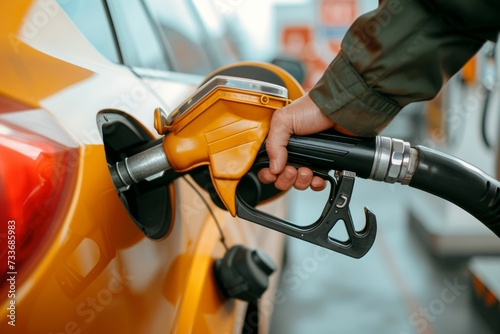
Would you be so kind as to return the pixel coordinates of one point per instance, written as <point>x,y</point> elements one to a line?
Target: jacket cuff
<point>344,97</point>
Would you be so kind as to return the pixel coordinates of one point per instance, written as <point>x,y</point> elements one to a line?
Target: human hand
<point>301,117</point>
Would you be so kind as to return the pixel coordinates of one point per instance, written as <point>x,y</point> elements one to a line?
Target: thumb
<point>281,128</point>
<point>301,117</point>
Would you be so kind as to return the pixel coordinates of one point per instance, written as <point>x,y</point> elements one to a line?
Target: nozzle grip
<point>332,151</point>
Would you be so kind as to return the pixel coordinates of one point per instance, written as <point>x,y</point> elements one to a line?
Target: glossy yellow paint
<point>29,75</point>
<point>11,23</point>
<point>201,284</point>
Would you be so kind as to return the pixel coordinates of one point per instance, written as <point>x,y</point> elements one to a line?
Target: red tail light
<point>36,178</point>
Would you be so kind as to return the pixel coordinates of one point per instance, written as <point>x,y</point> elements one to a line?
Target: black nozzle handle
<point>333,151</point>
<point>378,158</point>
<point>460,183</point>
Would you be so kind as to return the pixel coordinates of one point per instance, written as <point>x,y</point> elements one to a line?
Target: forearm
<point>402,52</point>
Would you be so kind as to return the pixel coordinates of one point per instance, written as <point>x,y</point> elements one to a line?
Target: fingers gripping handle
<point>335,211</point>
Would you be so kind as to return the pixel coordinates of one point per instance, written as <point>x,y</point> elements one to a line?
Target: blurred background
<point>433,268</point>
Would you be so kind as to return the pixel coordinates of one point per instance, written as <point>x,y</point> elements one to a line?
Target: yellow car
<point>79,80</point>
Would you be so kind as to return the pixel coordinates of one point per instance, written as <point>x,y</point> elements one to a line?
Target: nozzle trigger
<point>335,211</point>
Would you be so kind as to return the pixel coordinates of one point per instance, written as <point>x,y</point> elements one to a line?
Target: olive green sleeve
<point>401,53</point>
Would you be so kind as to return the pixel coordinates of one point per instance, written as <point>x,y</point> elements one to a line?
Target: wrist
<point>324,122</point>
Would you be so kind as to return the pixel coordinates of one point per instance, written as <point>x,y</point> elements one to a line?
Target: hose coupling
<point>395,161</point>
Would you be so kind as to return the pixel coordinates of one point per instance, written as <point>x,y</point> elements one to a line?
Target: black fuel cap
<point>243,273</point>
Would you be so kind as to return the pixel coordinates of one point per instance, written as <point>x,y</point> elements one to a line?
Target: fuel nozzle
<point>223,127</point>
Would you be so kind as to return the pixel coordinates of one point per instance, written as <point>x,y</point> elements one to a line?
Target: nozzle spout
<point>141,166</point>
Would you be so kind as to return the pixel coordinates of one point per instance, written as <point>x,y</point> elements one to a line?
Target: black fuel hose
<point>460,183</point>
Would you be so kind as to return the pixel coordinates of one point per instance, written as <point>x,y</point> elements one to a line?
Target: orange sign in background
<point>338,13</point>
<point>299,42</point>
<point>317,42</point>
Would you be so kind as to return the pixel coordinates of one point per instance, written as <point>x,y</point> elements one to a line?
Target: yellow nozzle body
<point>223,131</point>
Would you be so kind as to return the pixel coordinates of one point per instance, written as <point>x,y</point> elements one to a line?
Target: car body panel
<point>99,273</point>
<point>25,69</point>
